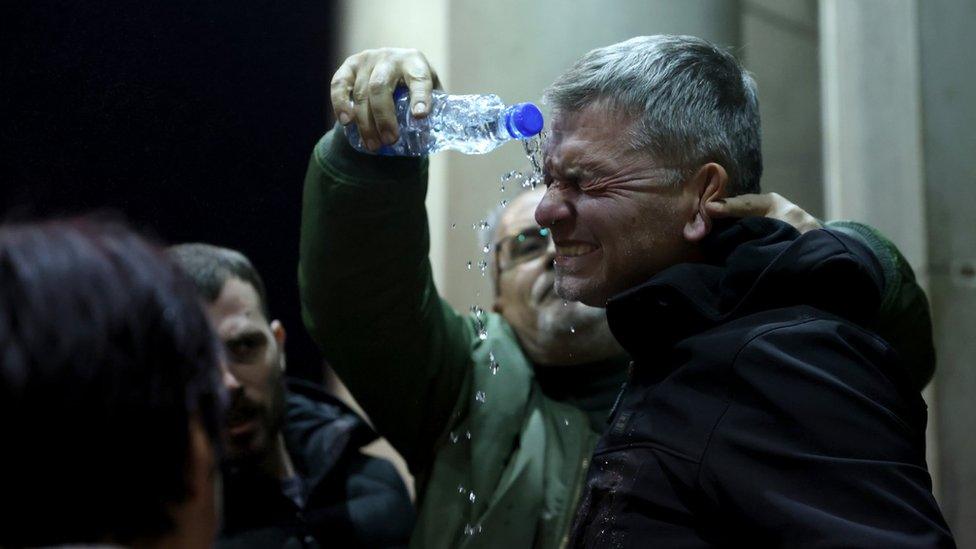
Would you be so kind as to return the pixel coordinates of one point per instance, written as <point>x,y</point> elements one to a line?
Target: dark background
<point>194,119</point>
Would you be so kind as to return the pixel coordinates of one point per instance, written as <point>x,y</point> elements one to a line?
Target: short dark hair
<point>210,267</point>
<point>105,358</point>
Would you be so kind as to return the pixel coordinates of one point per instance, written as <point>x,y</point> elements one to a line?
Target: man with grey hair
<point>763,408</point>
<point>496,413</point>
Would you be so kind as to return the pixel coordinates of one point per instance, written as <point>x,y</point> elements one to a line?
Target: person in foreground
<point>110,393</point>
<point>497,413</point>
<point>294,475</point>
<point>763,408</point>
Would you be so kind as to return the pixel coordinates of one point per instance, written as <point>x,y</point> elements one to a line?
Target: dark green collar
<point>590,387</point>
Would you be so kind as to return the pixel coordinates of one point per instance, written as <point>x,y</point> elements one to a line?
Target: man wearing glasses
<point>496,413</point>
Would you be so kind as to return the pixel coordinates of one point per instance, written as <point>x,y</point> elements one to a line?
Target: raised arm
<point>368,297</point>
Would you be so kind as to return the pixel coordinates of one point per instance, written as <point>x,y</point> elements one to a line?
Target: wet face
<point>254,351</point>
<point>615,215</point>
<point>551,330</point>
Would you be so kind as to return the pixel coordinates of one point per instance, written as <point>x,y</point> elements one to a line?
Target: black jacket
<point>761,410</point>
<point>351,500</point>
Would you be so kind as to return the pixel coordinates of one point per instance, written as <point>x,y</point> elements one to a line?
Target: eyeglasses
<point>524,246</point>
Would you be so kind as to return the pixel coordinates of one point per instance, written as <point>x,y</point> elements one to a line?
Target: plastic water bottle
<point>472,124</point>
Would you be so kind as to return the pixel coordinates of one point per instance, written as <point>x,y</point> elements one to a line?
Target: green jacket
<point>499,457</point>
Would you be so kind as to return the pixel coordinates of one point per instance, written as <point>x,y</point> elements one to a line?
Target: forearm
<point>367,293</point>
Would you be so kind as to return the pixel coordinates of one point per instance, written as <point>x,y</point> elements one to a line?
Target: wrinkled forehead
<point>598,131</point>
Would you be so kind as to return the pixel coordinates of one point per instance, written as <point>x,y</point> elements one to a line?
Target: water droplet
<point>469,265</point>
<point>565,303</point>
<point>471,497</point>
<point>482,334</point>
<point>492,363</point>
<point>467,435</point>
<point>461,489</point>
<point>480,396</point>
<point>572,329</point>
<point>503,188</point>
<point>454,225</point>
<point>503,203</point>
<point>454,437</point>
<point>566,422</point>
<point>514,174</point>
<point>483,266</point>
<point>485,249</point>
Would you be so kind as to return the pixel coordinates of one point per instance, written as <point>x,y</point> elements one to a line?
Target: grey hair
<point>692,102</point>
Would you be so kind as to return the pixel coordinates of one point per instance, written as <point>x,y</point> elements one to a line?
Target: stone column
<point>948,87</point>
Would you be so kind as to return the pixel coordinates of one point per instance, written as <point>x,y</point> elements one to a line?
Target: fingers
<point>772,205</point>
<point>382,81</point>
<point>363,117</point>
<point>362,91</point>
<point>745,205</point>
<point>421,80</point>
<point>341,90</point>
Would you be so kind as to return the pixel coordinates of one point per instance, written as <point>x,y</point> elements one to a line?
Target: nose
<point>227,377</point>
<point>553,207</point>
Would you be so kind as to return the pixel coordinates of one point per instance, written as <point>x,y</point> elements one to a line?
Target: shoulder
<point>819,345</point>
<point>828,382</point>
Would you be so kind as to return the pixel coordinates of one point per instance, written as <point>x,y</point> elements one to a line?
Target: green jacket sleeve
<point>904,320</point>
<point>368,297</point>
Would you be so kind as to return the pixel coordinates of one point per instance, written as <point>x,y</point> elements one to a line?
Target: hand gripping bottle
<point>471,124</point>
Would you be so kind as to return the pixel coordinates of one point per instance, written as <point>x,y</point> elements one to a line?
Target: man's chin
<point>574,288</point>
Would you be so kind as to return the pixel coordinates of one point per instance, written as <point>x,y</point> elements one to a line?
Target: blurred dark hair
<point>105,357</point>
<point>210,267</point>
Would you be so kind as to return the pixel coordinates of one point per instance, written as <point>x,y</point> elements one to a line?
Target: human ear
<point>707,185</point>
<point>278,331</point>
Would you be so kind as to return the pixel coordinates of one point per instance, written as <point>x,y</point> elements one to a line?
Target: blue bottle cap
<point>525,119</point>
<point>400,92</point>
